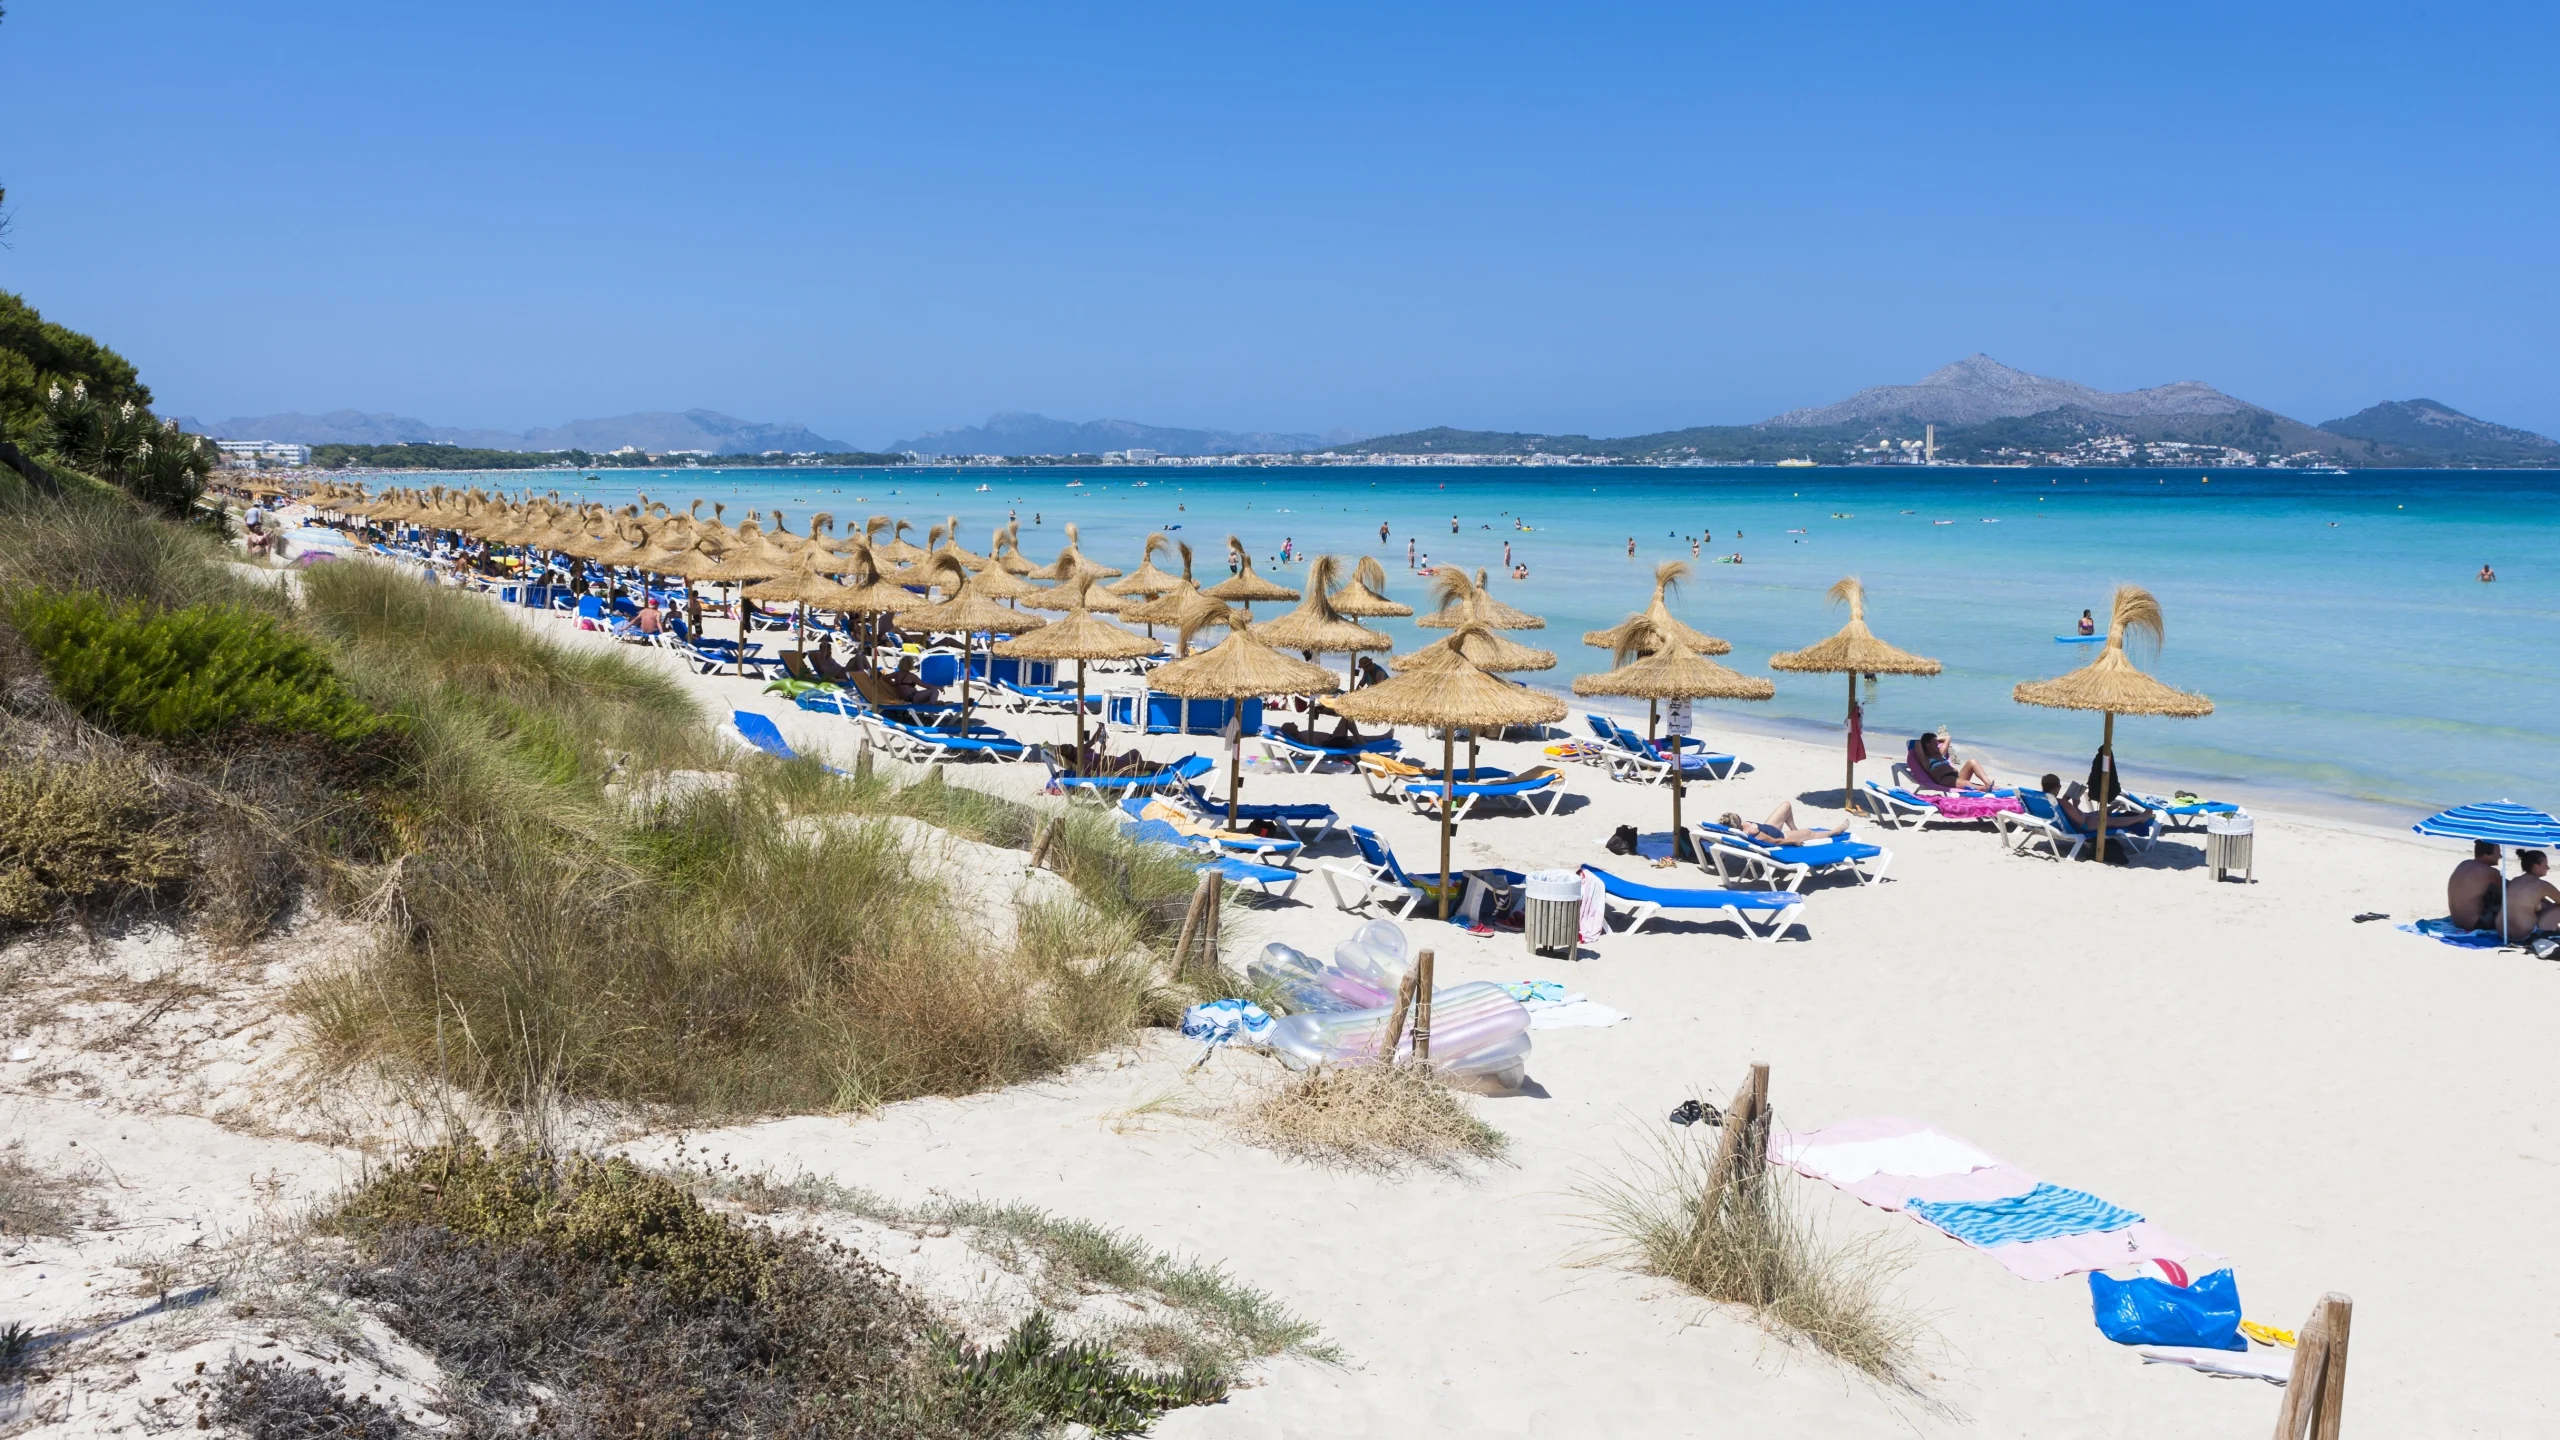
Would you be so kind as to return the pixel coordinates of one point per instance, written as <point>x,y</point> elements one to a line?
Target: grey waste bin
<point>1551,911</point>
<point>2230,844</point>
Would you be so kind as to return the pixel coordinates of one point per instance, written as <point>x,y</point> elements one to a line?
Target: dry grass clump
<point>1746,1243</point>
<point>82,836</point>
<point>33,1201</point>
<point>592,1297</point>
<point>271,1400</point>
<point>1380,1118</point>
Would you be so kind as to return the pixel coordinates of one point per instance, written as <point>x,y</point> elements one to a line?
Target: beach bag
<point>1622,841</point>
<point>2145,1311</point>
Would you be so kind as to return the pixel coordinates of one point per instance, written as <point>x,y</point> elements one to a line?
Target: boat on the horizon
<point>1795,464</point>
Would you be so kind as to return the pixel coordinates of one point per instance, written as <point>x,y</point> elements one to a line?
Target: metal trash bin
<point>1551,911</point>
<point>2230,844</point>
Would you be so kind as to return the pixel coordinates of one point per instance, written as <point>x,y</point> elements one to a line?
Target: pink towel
<point>1974,807</point>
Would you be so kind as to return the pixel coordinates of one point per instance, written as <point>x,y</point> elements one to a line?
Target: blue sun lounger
<point>1631,758</point>
<point>1269,879</point>
<point>1135,806</point>
<point>1104,788</point>
<point>931,747</point>
<point>758,729</point>
<point>1378,870</point>
<point>2195,812</point>
<point>1763,914</point>
<point>1293,818</point>
<point>1463,794</point>
<point>1788,866</point>
<point>1304,755</point>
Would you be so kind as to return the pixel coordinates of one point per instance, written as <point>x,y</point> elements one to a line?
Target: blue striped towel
<point>2043,1213</point>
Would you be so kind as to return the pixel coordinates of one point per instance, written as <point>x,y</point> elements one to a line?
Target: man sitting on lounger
<point>2133,818</point>
<point>1780,828</point>
<point>824,664</point>
<point>1094,759</point>
<point>2533,902</point>
<point>2471,895</point>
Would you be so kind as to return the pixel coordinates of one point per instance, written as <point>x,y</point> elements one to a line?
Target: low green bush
<point>185,674</point>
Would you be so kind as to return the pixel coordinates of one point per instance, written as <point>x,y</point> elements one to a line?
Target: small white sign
<point>1675,717</point>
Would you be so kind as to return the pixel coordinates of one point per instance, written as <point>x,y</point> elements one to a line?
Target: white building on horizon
<point>258,454</point>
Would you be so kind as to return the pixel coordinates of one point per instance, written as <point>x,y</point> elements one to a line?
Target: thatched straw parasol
<point>1079,637</point>
<point>2111,684</point>
<point>1007,550</point>
<point>1672,671</point>
<point>1246,587</point>
<point>903,552</point>
<point>1315,627</point>
<point>1457,601</point>
<point>807,587</point>
<point>997,581</point>
<point>951,547</point>
<point>1070,560</point>
<point>1448,693</point>
<point>1363,596</point>
<point>1484,649</point>
<point>1169,607</point>
<point>1236,668</point>
<point>1658,619</point>
<point>1147,580</point>
<point>967,612</point>
<point>1853,652</point>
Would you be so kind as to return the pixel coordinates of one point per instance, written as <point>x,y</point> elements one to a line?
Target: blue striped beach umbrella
<point>2500,822</point>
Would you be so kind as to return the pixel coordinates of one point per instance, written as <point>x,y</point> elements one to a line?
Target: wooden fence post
<point>2315,1398</point>
<point>1209,918</point>
<point>862,760</point>
<point>1742,1148</point>
<point>1395,1020</point>
<point>1422,1007</point>
<point>1190,924</point>
<point>1040,845</point>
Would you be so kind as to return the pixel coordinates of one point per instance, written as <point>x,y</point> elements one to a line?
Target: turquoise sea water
<point>2336,621</point>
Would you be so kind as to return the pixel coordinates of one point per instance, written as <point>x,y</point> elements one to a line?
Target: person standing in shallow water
<point>2088,626</point>
<point>1631,547</point>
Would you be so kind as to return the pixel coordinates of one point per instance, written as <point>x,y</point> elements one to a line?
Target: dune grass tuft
<point>1380,1118</point>
<point>1746,1242</point>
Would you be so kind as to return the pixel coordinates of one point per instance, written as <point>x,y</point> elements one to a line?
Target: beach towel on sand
<point>2047,1212</point>
<point>2445,930</point>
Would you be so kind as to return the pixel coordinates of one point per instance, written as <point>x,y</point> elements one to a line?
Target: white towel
<point>1923,1152</point>
<point>1595,908</point>
<point>1567,1015</point>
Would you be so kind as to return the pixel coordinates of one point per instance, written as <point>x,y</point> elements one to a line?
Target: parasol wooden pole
<point>738,662</point>
<point>1077,766</point>
<point>1448,799</point>
<point>2105,803</point>
<point>1679,837</point>
<point>1235,756</point>
<point>1849,770</point>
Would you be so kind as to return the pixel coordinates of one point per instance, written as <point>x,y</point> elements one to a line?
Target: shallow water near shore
<point>2355,661</point>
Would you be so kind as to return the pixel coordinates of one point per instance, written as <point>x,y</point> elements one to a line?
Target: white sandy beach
<point>2331,1106</point>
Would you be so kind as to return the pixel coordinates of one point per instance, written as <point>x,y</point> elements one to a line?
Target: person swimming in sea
<point>2488,576</point>
<point>2088,626</point>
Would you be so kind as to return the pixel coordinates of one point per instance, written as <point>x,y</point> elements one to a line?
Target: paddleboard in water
<point>2077,639</point>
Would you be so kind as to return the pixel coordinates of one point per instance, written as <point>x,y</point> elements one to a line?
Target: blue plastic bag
<point>2205,1314</point>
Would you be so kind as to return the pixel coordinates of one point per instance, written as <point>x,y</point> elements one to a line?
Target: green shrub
<point>81,835</point>
<point>185,674</point>
<point>1034,1376</point>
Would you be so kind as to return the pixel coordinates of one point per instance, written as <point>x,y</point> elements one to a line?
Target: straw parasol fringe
<point>1236,668</point>
<point>1364,595</point>
<point>1457,600</point>
<point>1657,619</point>
<point>1246,587</point>
<point>1315,626</point>
<point>1853,651</point>
<point>1147,580</point>
<point>2113,685</point>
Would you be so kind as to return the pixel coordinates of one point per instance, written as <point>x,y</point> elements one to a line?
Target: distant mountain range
<point>1020,433</point>
<point>657,431</point>
<point>1988,412</point>
<point>1984,412</point>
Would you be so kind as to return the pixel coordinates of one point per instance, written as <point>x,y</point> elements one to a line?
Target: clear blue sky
<point>1615,218</point>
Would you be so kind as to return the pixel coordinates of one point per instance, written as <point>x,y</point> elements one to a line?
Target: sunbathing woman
<point>1780,828</point>
<point>1344,735</point>
<point>1936,769</point>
